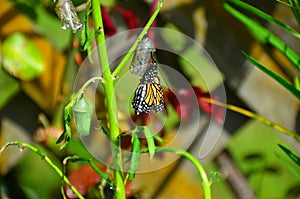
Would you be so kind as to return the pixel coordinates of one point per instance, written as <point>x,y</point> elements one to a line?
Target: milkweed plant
<point>148,97</point>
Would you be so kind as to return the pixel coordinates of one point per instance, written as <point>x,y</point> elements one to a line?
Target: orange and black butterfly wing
<point>148,95</point>
<point>138,102</point>
<point>154,97</point>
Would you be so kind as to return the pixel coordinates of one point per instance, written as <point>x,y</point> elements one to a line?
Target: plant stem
<point>84,86</point>
<point>137,41</point>
<point>111,101</point>
<point>47,159</point>
<point>192,159</point>
<point>92,164</point>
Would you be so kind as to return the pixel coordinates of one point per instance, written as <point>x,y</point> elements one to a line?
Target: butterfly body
<point>148,95</point>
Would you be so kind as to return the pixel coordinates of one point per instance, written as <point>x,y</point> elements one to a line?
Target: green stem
<point>108,86</point>
<point>92,164</point>
<point>192,159</point>
<point>85,85</point>
<point>110,100</point>
<point>134,46</point>
<point>47,159</point>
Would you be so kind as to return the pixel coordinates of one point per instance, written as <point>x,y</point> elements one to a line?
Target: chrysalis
<point>66,12</point>
<point>82,114</point>
<point>142,56</point>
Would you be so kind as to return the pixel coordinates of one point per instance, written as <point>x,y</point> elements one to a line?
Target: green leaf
<point>278,78</point>
<point>284,3</point>
<point>50,27</point>
<point>158,138</point>
<point>21,58</point>
<point>289,153</point>
<point>32,3</point>
<point>9,87</point>
<point>297,83</point>
<point>289,165</point>
<point>135,156</point>
<point>32,185</point>
<point>295,10</point>
<point>150,142</point>
<point>61,138</point>
<point>67,133</point>
<point>87,36</point>
<point>264,16</point>
<point>26,8</point>
<point>264,36</point>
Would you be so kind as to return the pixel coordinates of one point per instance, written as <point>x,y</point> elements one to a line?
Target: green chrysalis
<point>82,114</point>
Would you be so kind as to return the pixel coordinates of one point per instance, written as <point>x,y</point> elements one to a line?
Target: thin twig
<point>48,161</point>
<point>142,34</point>
<point>194,161</point>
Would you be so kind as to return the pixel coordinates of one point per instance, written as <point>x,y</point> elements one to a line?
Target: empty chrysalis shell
<point>142,56</point>
<point>82,114</point>
<point>66,12</point>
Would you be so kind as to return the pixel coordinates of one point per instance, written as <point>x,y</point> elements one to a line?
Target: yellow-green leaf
<point>21,58</point>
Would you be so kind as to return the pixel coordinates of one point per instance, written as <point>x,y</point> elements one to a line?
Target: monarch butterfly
<point>141,57</point>
<point>148,95</point>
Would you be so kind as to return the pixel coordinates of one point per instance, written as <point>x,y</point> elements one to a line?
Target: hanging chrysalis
<point>82,114</point>
<point>142,56</point>
<point>66,12</point>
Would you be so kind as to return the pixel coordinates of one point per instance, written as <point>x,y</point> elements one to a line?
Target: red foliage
<point>83,179</point>
<point>184,107</point>
<point>142,119</point>
<point>216,112</point>
<point>129,17</point>
<point>131,20</point>
<point>182,101</point>
<point>153,8</point>
<point>108,24</point>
